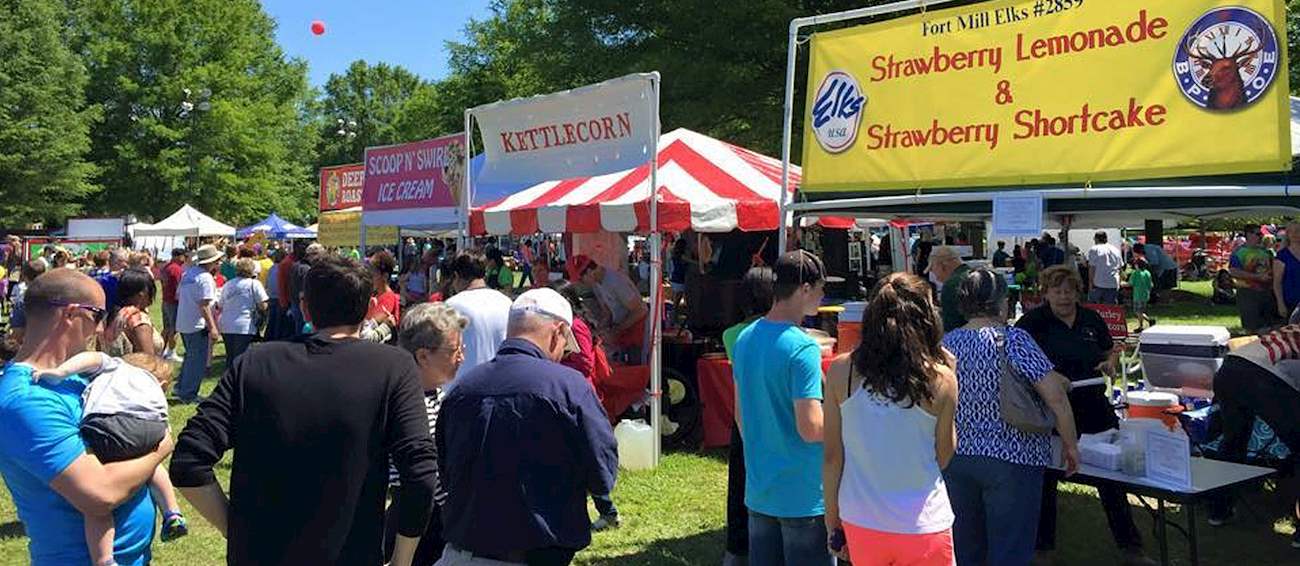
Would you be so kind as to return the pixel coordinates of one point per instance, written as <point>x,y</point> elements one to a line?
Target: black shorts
<point>117,438</point>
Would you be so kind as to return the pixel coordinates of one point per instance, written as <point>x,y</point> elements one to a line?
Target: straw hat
<point>207,254</point>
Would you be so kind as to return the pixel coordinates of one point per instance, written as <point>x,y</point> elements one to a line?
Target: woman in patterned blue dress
<point>995,480</point>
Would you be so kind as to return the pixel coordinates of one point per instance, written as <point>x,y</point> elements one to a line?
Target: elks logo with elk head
<point>1227,59</point>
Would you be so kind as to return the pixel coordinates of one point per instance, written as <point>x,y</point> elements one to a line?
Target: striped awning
<point>704,184</point>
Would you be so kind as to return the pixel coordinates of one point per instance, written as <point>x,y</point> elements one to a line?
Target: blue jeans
<point>297,321</point>
<point>996,504</point>
<point>799,541</point>
<point>194,366</point>
<point>1103,296</point>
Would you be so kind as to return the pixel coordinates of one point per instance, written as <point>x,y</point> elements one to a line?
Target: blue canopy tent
<point>276,228</point>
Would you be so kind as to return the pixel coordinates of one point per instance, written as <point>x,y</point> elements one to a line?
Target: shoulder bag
<point>1019,402</point>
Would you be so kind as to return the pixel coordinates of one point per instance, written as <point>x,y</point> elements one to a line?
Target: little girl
<point>124,417</point>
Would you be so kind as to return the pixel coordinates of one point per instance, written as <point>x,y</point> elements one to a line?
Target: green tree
<point>44,119</point>
<point>366,106</point>
<point>245,146</point>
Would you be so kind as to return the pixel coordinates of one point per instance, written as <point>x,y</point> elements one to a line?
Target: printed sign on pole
<point>587,131</point>
<point>341,186</point>
<point>1020,92</point>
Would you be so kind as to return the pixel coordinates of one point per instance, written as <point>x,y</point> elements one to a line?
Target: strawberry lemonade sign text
<point>1048,91</point>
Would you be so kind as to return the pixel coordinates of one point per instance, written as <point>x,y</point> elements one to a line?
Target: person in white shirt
<point>243,301</point>
<point>195,320</point>
<point>487,309</point>
<point>1104,264</point>
<point>885,493</point>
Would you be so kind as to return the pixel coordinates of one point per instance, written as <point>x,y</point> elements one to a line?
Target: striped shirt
<point>1271,350</point>
<point>432,406</point>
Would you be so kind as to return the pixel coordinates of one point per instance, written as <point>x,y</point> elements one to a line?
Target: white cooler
<point>1177,357</point>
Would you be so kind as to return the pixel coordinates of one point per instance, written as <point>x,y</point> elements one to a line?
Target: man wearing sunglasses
<point>53,480</point>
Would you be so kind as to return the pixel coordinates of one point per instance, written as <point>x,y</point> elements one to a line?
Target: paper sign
<point>1169,459</point>
<point>1018,214</point>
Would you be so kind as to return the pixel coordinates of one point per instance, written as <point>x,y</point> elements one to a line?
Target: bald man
<point>53,480</point>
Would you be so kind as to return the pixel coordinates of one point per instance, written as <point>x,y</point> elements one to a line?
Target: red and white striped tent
<point>704,184</point>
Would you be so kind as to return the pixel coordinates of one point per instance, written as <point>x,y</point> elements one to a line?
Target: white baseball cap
<point>547,302</point>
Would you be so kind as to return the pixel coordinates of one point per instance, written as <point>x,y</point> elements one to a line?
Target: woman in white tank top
<point>889,433</point>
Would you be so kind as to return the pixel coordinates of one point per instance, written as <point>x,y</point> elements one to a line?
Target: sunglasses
<point>98,313</point>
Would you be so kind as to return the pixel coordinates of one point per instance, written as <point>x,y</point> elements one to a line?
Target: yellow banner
<point>1049,91</point>
<point>342,228</point>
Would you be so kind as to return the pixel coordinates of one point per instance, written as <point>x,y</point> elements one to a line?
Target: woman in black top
<point>1078,342</point>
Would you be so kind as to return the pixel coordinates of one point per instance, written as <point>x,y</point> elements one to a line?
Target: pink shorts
<point>877,548</point>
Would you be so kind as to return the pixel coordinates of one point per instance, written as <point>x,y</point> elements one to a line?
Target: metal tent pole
<point>656,276</point>
<point>792,58</point>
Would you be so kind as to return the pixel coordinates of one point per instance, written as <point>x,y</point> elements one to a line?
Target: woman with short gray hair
<point>431,332</point>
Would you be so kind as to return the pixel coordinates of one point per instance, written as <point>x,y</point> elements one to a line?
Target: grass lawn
<point>675,515</point>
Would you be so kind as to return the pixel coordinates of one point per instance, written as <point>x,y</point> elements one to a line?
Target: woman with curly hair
<point>885,492</point>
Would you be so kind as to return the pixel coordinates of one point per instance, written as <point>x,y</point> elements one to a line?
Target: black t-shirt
<point>312,424</point>
<point>1076,352</point>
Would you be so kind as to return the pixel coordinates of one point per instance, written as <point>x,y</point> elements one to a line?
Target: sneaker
<point>606,522</point>
<point>174,527</point>
<point>1295,538</point>
<point>174,357</point>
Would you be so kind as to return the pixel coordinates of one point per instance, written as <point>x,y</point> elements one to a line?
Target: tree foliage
<point>366,106</point>
<point>247,154</point>
<point>44,120</point>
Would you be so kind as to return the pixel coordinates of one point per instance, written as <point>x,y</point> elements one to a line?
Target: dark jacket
<point>521,441</point>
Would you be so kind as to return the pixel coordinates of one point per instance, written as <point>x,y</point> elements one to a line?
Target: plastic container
<point>1107,456</point>
<point>635,444</point>
<point>1154,405</point>
<point>1182,357</point>
<point>849,327</point>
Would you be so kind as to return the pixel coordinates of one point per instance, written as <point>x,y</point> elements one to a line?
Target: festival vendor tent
<point>705,185</point>
<point>171,232</point>
<point>187,221</point>
<point>276,228</point>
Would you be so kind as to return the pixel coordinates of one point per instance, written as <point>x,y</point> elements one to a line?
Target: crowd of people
<point>954,481</point>
<point>482,405</point>
<point>397,468</point>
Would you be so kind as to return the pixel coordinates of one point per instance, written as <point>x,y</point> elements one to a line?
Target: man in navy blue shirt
<point>522,440</point>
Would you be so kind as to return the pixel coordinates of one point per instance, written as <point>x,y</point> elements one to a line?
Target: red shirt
<point>389,301</point>
<point>171,279</point>
<point>584,360</point>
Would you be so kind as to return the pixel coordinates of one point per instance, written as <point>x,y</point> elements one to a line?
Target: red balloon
<point>317,27</point>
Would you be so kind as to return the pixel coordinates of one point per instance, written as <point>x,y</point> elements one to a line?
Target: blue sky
<point>410,33</point>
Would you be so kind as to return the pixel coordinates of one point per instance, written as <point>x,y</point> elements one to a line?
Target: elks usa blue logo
<point>1227,59</point>
<point>837,111</point>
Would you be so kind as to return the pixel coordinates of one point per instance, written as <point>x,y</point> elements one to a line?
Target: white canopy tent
<point>186,222</point>
<point>170,233</point>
